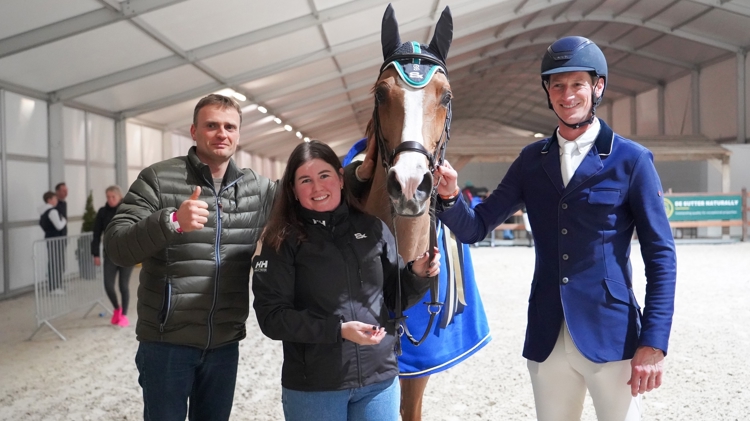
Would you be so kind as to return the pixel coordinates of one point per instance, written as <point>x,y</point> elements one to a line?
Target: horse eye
<point>379,96</point>
<point>446,99</point>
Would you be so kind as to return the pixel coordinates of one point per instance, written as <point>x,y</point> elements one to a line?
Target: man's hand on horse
<point>426,268</point>
<point>362,333</point>
<point>193,213</point>
<point>365,171</point>
<point>647,369</point>
<point>447,180</point>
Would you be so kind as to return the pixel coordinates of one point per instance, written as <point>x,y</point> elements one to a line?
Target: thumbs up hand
<point>193,213</point>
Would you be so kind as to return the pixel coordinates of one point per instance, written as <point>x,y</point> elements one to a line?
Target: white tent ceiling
<point>312,63</point>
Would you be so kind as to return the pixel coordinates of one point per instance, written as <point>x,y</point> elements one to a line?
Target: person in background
<point>61,191</point>
<point>53,225</point>
<point>324,282</point>
<point>103,217</point>
<point>586,189</point>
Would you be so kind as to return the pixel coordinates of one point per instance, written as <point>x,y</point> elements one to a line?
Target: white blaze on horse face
<point>411,166</point>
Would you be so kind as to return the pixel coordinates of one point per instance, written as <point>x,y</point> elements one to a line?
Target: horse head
<point>411,119</point>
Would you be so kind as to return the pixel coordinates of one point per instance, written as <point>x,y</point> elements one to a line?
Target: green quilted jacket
<point>194,287</point>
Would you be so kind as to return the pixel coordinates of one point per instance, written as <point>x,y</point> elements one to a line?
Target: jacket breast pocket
<point>604,197</point>
<point>602,208</point>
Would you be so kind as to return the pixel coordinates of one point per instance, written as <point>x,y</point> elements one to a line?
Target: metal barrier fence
<point>65,279</point>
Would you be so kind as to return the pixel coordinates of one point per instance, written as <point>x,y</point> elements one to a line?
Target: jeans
<point>376,402</point>
<point>171,375</point>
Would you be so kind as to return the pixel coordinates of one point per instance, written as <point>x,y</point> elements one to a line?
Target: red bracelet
<point>174,222</point>
<point>455,193</point>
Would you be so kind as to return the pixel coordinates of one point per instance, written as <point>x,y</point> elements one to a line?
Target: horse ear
<point>389,37</point>
<point>441,40</point>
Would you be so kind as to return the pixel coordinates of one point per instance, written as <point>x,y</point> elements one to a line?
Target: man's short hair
<point>48,195</point>
<point>59,185</point>
<point>220,101</point>
<point>114,188</point>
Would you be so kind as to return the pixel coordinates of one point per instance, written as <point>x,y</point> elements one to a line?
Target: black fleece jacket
<point>347,269</point>
<point>103,218</point>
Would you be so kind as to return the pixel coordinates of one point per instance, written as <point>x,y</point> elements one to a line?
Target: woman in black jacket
<point>324,282</point>
<point>105,214</point>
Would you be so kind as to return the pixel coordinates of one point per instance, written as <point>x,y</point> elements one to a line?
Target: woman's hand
<point>97,261</point>
<point>424,268</point>
<point>362,333</point>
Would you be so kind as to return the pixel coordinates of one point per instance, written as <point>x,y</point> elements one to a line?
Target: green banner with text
<point>703,208</point>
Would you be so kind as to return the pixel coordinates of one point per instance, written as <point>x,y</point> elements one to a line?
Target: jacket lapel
<point>592,163</point>
<point>551,162</point>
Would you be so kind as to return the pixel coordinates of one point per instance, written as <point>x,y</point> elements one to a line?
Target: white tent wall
<point>89,149</point>
<point>176,144</point>
<point>76,156</point>
<point>87,165</point>
<point>101,160</point>
<point>25,152</point>
<point>145,146</point>
<point>266,167</point>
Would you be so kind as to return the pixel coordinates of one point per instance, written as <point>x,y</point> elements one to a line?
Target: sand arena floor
<point>92,376</point>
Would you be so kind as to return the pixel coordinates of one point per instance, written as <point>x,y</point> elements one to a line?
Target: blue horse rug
<point>461,328</point>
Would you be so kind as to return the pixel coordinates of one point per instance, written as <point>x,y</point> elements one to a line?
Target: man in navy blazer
<point>585,328</point>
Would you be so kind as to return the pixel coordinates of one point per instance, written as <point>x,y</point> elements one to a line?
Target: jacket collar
<point>603,142</point>
<point>326,220</point>
<point>590,165</point>
<point>230,176</point>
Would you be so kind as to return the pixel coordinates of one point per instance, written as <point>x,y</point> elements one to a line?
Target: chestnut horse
<point>408,133</point>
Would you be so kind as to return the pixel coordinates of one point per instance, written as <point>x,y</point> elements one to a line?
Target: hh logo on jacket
<point>261,266</point>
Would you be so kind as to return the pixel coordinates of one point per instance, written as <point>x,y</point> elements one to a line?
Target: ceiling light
<point>307,139</point>
<point>262,109</point>
<point>287,127</point>
<point>277,120</point>
<point>232,93</point>
<point>248,108</point>
<point>538,135</point>
<point>299,135</point>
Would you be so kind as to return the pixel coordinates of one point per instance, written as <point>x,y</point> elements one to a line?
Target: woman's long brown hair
<point>285,213</point>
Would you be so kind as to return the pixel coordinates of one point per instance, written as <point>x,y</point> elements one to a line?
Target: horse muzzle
<point>409,195</point>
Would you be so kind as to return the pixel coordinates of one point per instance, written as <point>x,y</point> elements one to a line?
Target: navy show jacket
<point>582,234</point>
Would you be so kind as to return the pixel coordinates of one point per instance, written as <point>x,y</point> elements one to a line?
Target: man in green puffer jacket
<point>193,221</point>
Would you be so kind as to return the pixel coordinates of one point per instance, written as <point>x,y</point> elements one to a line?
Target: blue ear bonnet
<point>415,64</point>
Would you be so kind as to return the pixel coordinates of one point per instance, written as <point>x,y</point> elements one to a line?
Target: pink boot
<point>116,316</point>
<point>123,322</point>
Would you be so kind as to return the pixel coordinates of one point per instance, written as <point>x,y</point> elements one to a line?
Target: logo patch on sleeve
<point>261,266</point>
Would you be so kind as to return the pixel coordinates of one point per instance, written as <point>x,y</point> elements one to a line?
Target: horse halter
<point>415,60</point>
<point>436,158</point>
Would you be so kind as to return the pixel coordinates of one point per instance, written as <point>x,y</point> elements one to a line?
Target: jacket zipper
<point>168,300</point>
<point>217,243</point>
<point>351,304</point>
